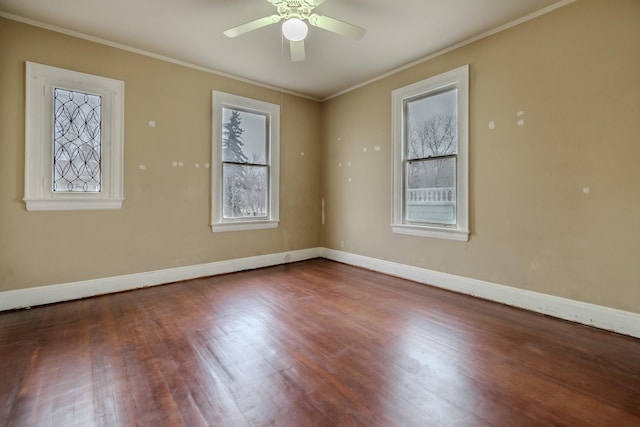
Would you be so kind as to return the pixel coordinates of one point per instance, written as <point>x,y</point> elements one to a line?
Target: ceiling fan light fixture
<point>294,29</point>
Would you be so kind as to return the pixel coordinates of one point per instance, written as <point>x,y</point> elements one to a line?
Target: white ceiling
<point>398,32</point>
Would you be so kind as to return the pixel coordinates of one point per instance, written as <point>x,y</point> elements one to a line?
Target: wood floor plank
<point>315,343</point>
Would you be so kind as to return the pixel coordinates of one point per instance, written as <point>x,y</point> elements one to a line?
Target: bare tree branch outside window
<point>431,138</point>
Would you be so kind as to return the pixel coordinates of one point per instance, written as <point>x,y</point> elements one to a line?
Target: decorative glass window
<point>74,140</point>
<point>430,143</point>
<point>77,121</point>
<point>245,163</point>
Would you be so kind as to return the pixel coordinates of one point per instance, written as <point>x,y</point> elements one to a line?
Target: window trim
<point>454,79</point>
<point>222,100</point>
<point>38,187</point>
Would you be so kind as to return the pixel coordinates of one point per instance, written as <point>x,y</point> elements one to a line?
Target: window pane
<point>76,141</point>
<point>244,137</point>
<point>431,191</point>
<point>244,191</point>
<point>432,125</point>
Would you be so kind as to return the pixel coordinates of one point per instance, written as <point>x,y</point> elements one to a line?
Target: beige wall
<point>575,75</point>
<point>165,218</point>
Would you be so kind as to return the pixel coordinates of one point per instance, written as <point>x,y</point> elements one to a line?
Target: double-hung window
<point>430,146</point>
<point>74,138</point>
<point>245,156</point>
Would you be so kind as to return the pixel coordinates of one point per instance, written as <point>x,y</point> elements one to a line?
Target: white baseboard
<point>610,319</point>
<point>622,322</point>
<point>21,298</point>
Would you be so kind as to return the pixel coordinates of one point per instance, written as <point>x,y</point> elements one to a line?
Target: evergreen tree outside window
<point>245,163</point>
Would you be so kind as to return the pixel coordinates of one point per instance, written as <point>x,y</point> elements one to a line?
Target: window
<point>245,154</point>
<point>430,157</point>
<point>73,140</point>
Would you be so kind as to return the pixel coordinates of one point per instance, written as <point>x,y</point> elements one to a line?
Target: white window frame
<point>454,79</point>
<point>222,100</point>
<point>41,80</point>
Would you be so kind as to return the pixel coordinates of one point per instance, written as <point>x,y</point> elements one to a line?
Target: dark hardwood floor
<point>314,343</point>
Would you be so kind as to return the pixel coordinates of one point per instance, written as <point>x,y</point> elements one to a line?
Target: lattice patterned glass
<point>76,141</point>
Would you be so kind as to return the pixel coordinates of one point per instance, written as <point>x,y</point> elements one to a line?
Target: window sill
<point>71,204</point>
<point>427,231</point>
<point>243,225</point>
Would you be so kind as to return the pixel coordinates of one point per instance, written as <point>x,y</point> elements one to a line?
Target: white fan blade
<point>297,51</point>
<point>336,26</point>
<point>253,25</point>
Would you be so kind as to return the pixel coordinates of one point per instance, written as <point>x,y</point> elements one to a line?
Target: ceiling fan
<point>294,13</point>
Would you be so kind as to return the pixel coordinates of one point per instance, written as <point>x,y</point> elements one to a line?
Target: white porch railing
<point>431,205</point>
<point>435,196</point>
